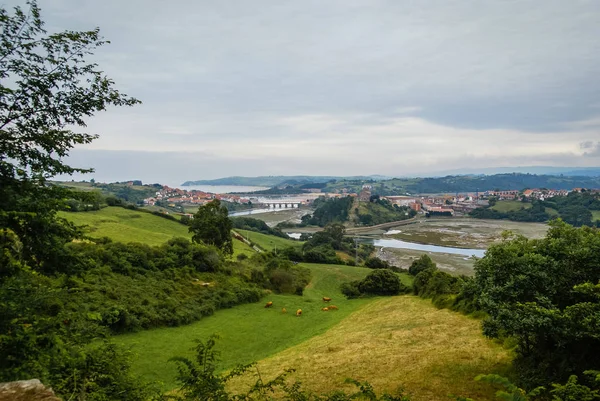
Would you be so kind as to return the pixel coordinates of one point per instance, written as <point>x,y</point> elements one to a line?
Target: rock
<point>26,390</point>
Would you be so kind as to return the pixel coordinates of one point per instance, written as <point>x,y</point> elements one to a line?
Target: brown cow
<point>324,309</point>
<point>269,304</point>
<point>326,299</point>
<point>299,312</point>
<point>332,307</point>
<point>283,310</point>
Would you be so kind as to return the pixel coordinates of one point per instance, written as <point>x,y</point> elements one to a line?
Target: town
<point>439,204</point>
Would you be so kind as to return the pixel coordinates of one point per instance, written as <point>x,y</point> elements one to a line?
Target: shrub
<point>381,282</point>
<point>423,263</point>
<point>376,263</point>
<point>350,290</point>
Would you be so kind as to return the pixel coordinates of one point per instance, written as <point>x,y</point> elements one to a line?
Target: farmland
<point>126,225</point>
<point>250,332</point>
<point>393,342</point>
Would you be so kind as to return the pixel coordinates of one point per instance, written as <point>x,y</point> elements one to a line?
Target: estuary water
<point>396,243</point>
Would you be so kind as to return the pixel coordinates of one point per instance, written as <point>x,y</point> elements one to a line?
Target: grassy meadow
<point>125,225</point>
<point>250,332</point>
<point>595,215</point>
<point>269,242</point>
<point>506,206</point>
<point>393,342</point>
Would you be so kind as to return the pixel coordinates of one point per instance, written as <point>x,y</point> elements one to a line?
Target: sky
<point>340,87</point>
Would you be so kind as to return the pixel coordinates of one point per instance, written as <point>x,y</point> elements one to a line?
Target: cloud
<point>384,86</point>
<point>594,149</point>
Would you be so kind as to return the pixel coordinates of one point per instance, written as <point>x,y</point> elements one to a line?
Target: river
<point>254,211</point>
<point>396,243</point>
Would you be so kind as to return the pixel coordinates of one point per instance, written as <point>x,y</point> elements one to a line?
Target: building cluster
<point>465,203</point>
<point>176,196</point>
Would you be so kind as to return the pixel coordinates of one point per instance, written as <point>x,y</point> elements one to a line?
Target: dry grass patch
<point>396,342</point>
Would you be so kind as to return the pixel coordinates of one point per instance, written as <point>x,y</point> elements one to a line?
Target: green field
<point>392,342</point>
<point>510,206</point>
<point>595,215</point>
<point>269,242</point>
<point>250,332</point>
<point>126,225</point>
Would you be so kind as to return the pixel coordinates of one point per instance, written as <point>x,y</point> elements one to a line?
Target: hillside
<point>126,225</point>
<point>392,342</point>
<point>249,332</point>
<point>134,193</point>
<point>269,242</point>
<point>378,212</point>
<point>271,181</point>
<point>467,183</point>
<point>418,185</point>
<point>352,212</point>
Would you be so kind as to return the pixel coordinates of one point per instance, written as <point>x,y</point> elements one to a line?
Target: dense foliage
<point>418,265</point>
<point>546,295</point>
<point>376,263</point>
<point>379,211</point>
<point>211,226</point>
<point>543,295</point>
<point>378,282</point>
<point>329,210</point>
<point>278,273</point>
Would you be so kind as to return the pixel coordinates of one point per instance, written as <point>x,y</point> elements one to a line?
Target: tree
<point>46,88</point>
<point>381,282</point>
<point>211,226</point>
<point>376,263</point>
<point>545,295</point>
<point>423,263</point>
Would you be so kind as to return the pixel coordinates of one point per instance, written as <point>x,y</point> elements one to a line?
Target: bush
<point>376,263</point>
<point>423,263</point>
<point>382,282</point>
<point>350,290</point>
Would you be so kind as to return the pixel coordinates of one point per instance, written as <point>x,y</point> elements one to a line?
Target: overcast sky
<point>342,87</point>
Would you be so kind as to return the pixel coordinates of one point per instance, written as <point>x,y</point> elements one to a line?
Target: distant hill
<point>466,183</point>
<point>421,185</point>
<point>275,180</point>
<point>543,170</point>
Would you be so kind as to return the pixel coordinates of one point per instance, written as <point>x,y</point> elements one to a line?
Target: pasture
<point>269,242</point>
<point>124,225</point>
<point>595,215</point>
<point>505,206</point>
<point>250,332</point>
<point>392,342</point>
